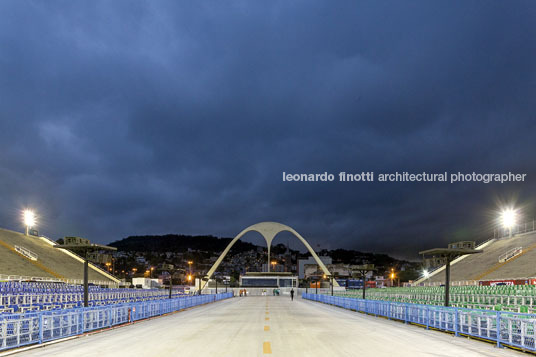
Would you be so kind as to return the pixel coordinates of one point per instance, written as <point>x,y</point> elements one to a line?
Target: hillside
<point>179,243</point>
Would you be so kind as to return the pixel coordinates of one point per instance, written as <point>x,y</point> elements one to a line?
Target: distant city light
<point>29,218</point>
<point>508,218</point>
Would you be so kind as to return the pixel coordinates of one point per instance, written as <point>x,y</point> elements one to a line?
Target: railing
<point>5,277</point>
<point>26,252</point>
<point>37,327</point>
<point>517,229</point>
<point>510,254</point>
<point>503,328</point>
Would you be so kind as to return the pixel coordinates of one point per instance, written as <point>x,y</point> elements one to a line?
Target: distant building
<point>466,244</point>
<point>268,280</point>
<point>141,260</point>
<point>279,268</point>
<point>340,271</point>
<point>302,262</point>
<point>434,262</point>
<point>145,283</point>
<point>75,241</point>
<point>99,258</point>
<point>165,266</point>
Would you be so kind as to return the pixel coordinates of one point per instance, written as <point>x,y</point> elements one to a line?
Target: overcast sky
<point>151,117</point>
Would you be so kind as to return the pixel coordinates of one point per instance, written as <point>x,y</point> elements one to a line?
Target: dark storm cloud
<point>130,118</point>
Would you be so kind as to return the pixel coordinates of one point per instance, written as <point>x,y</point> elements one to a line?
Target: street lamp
<point>508,219</point>
<point>190,266</point>
<point>29,220</point>
<point>363,271</point>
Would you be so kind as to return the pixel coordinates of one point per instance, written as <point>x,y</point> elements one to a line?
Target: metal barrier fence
<point>37,327</point>
<point>516,229</point>
<point>504,328</point>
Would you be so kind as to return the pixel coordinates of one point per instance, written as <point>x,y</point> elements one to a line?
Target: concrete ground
<point>260,326</point>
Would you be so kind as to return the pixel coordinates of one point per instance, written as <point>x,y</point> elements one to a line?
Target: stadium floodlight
<point>425,273</point>
<point>508,219</point>
<point>29,220</point>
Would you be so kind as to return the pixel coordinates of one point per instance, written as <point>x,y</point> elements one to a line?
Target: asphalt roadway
<point>268,325</point>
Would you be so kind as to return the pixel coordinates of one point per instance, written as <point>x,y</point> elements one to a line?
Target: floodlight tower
<point>29,220</point>
<point>508,218</point>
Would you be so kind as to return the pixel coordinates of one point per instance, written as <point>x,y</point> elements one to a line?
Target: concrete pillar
<point>268,269</point>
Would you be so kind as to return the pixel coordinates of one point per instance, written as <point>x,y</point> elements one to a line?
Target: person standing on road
<point>292,294</point>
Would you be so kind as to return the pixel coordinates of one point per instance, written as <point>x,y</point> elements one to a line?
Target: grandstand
<point>505,258</point>
<point>501,278</point>
<point>516,298</point>
<point>35,258</point>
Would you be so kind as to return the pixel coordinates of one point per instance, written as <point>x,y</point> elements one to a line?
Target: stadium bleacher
<point>507,262</point>
<point>35,296</point>
<point>487,265</point>
<point>50,262</point>
<point>516,298</point>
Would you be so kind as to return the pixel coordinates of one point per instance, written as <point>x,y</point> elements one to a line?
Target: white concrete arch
<point>268,230</point>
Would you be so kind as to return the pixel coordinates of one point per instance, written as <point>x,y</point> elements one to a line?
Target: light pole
<point>190,266</point>
<point>449,254</point>
<point>170,283</point>
<point>508,218</point>
<point>29,220</point>
<point>83,250</point>
<point>363,271</point>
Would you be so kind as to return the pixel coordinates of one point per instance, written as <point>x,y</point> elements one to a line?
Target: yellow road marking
<point>266,348</point>
<point>266,328</point>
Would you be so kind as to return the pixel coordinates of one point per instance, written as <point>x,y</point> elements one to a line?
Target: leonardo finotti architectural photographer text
<point>406,177</point>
